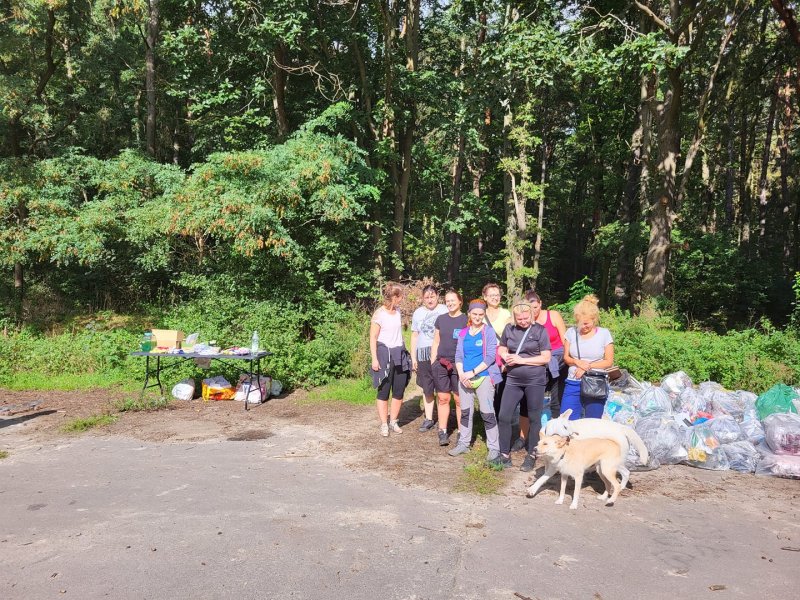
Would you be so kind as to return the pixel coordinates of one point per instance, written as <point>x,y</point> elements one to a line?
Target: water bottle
<point>546,408</point>
<point>147,342</point>
<point>254,343</point>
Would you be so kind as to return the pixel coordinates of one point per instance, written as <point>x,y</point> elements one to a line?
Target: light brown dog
<point>572,457</point>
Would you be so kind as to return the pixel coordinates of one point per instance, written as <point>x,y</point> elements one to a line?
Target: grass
<point>83,424</point>
<point>142,403</point>
<point>351,391</point>
<point>478,477</point>
<point>4,454</point>
<point>69,382</point>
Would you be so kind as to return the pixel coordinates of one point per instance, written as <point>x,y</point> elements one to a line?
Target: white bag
<point>183,390</point>
<point>253,394</point>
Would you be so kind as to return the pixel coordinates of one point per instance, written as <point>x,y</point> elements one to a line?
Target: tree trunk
<point>766,158</point>
<point>279,79</point>
<point>150,75</point>
<point>660,218</point>
<point>455,238</point>
<point>537,245</point>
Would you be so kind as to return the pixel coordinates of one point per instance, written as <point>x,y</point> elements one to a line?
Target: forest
<point>169,157</point>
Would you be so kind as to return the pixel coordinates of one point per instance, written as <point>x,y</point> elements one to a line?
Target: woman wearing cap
<point>586,346</point>
<point>443,358</point>
<point>556,370</point>
<point>477,376</point>
<point>391,366</point>
<point>422,330</point>
<point>525,350</point>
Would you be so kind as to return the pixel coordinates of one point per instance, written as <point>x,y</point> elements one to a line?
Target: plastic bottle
<point>254,343</point>
<point>147,342</point>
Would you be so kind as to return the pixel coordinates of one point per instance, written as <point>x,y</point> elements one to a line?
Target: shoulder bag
<point>594,382</point>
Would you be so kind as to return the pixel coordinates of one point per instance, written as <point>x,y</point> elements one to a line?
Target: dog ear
<point>566,414</point>
<point>562,441</point>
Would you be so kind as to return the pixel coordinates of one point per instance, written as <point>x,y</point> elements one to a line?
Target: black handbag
<point>594,382</point>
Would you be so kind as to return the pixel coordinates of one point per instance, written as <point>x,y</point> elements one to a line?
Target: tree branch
<point>787,16</point>
<point>655,18</point>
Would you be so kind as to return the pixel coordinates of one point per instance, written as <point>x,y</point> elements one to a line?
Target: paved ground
<point>281,517</point>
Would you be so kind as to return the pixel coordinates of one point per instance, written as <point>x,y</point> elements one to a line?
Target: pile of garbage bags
<point>709,427</point>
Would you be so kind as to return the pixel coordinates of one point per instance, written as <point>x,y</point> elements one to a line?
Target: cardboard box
<point>169,338</point>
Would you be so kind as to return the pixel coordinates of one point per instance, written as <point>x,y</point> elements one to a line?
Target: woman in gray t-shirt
<point>586,346</point>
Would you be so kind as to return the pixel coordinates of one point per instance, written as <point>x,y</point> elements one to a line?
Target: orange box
<point>169,338</point>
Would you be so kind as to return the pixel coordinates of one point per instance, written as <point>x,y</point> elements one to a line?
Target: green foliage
<point>4,454</point>
<point>142,403</point>
<point>351,391</point>
<point>83,424</point>
<point>577,291</point>
<point>478,476</point>
<point>650,348</point>
<point>795,316</point>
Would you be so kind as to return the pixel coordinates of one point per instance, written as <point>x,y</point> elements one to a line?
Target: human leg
<point>571,399</point>
<point>485,395</point>
<point>425,381</point>
<point>511,398</point>
<point>594,409</point>
<point>534,398</point>
<point>465,415</point>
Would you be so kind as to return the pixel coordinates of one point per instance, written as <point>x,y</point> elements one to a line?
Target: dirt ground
<point>350,435</point>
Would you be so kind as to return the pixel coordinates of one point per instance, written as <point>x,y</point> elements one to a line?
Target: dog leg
<point>576,494</point>
<point>625,473</point>
<point>548,473</point>
<point>563,489</point>
<point>604,495</point>
<point>612,475</point>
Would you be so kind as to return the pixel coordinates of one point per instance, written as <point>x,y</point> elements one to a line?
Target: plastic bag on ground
<point>742,456</point>
<point>777,399</point>
<point>183,390</point>
<point>727,403</point>
<point>725,428</point>
<point>777,465</point>
<point>253,393</point>
<point>675,383</point>
<point>782,433</point>
<point>653,401</point>
<point>619,408</point>
<point>690,401</point>
<point>276,389</point>
<point>663,438</point>
<point>705,451</point>
<point>707,389</point>
<point>217,388</point>
<point>747,399</point>
<point>751,426</point>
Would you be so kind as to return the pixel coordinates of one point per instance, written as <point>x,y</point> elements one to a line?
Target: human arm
<point>607,360</point>
<point>435,345</point>
<point>414,337</point>
<point>559,324</point>
<point>374,330</point>
<point>579,364</point>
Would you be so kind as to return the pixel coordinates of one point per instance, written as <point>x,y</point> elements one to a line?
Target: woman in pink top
<point>556,370</point>
<point>391,363</point>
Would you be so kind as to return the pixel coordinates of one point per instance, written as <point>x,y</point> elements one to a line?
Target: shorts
<point>443,380</point>
<point>396,382</point>
<point>425,377</point>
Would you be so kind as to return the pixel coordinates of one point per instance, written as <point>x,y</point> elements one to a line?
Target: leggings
<point>571,398</point>
<point>485,394</point>
<point>512,395</point>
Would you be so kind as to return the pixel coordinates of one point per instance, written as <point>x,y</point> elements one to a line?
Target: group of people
<point>504,358</point>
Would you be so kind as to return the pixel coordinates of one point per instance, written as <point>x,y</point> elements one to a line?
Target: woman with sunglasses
<point>443,358</point>
<point>525,350</point>
<point>477,376</point>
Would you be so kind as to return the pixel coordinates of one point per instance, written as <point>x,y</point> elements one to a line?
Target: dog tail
<point>633,438</point>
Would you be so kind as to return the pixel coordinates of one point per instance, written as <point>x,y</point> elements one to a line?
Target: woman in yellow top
<point>498,317</point>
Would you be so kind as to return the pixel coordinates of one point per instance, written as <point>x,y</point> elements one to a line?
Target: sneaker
<point>529,463</point>
<point>458,450</point>
<point>443,441</point>
<point>518,445</point>
<point>501,462</point>
<point>492,456</point>
<point>395,427</point>
<point>427,425</point>
<point>385,430</point>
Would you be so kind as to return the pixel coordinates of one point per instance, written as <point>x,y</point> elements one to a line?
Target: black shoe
<point>501,462</point>
<point>529,463</point>
<point>520,444</point>
<point>427,425</point>
<point>443,441</point>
